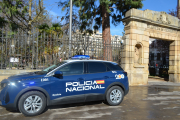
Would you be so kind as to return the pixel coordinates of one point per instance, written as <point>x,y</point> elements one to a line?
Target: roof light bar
<point>80,57</point>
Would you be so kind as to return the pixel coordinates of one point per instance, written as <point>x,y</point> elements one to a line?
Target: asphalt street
<point>159,100</point>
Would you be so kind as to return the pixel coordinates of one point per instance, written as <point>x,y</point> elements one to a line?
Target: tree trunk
<point>30,17</point>
<point>107,50</point>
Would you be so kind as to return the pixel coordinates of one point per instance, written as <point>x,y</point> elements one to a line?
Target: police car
<point>69,81</point>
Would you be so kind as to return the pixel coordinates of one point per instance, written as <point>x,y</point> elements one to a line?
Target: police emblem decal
<point>119,76</point>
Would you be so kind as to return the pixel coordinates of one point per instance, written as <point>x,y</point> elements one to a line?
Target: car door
<point>65,88</point>
<point>98,77</point>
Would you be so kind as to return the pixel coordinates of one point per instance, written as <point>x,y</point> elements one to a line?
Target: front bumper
<point>10,106</point>
<point>4,100</point>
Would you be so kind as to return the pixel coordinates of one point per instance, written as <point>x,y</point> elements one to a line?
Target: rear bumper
<point>126,91</point>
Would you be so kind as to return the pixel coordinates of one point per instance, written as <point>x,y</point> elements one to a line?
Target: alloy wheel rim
<point>115,96</point>
<point>33,104</point>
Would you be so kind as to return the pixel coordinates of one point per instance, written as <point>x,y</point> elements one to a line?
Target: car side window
<point>72,69</point>
<point>96,67</point>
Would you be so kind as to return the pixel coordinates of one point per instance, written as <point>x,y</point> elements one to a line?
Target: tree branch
<point>15,17</point>
<point>14,22</point>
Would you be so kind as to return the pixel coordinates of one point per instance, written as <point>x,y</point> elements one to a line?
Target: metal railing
<point>39,50</point>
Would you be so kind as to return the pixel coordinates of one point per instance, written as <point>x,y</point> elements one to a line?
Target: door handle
<point>106,77</point>
<point>80,79</point>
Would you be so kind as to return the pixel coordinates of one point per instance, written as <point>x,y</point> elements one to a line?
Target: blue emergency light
<point>80,57</point>
<point>31,83</point>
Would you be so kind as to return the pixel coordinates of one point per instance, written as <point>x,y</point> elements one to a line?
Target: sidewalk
<point>161,81</point>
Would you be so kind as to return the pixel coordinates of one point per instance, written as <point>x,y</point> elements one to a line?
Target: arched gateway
<point>139,27</point>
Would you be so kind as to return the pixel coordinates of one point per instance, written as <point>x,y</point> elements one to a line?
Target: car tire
<point>32,103</point>
<point>114,96</point>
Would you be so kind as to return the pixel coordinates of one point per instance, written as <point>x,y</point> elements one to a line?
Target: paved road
<point>156,101</point>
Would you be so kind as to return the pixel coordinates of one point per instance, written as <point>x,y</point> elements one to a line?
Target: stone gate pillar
<point>174,61</point>
<point>139,27</point>
<point>135,55</point>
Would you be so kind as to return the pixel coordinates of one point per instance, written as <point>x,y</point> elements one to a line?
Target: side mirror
<point>58,74</point>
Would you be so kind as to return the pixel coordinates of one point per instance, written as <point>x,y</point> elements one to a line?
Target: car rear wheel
<point>114,96</point>
<point>32,103</point>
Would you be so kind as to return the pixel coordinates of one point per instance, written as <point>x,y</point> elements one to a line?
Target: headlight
<point>12,83</point>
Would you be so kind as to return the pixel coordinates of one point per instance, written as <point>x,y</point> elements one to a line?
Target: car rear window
<point>113,66</point>
<point>96,67</point>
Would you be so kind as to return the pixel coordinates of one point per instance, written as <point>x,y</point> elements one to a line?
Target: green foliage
<point>2,22</point>
<point>23,14</point>
<point>90,10</point>
<point>54,30</point>
<point>43,28</point>
<point>14,12</point>
<point>51,32</point>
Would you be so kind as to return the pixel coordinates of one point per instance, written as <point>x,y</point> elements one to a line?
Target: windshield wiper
<point>40,72</point>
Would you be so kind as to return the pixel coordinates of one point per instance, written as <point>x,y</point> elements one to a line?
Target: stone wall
<point>139,27</point>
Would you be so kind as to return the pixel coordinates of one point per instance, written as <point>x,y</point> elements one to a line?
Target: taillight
<point>125,73</point>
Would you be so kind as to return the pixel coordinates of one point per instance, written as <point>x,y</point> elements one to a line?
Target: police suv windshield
<point>53,67</point>
<point>50,68</point>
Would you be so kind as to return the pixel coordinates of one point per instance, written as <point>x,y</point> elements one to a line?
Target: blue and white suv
<point>70,81</point>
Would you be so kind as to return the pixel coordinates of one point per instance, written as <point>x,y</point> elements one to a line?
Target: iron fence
<point>39,50</point>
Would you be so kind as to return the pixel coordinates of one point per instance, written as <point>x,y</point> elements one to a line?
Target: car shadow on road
<point>62,106</point>
<point>13,111</point>
<point>72,105</point>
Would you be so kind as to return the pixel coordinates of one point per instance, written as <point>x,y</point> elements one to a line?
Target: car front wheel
<point>114,95</point>
<point>32,103</point>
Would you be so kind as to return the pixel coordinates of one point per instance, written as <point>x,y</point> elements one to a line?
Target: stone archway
<point>139,27</point>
